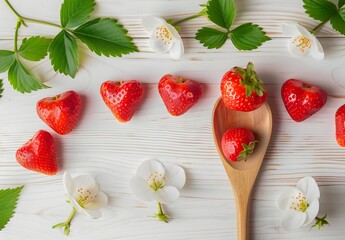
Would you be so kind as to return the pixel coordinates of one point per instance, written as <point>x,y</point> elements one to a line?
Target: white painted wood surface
<point>111,151</point>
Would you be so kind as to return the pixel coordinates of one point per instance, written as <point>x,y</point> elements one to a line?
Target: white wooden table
<point>111,151</point>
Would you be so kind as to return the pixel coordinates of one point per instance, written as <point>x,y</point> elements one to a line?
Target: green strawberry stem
<point>67,223</point>
<point>161,216</point>
<point>203,12</point>
<point>250,80</point>
<point>15,48</point>
<point>22,19</point>
<point>317,28</point>
<point>247,151</point>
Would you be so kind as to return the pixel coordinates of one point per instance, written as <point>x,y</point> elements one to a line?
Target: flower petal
<point>158,44</point>
<point>309,188</point>
<point>87,183</point>
<point>68,184</point>
<point>70,191</point>
<point>100,201</point>
<point>292,220</point>
<point>150,23</point>
<point>312,211</point>
<point>284,200</point>
<point>175,176</point>
<point>316,50</point>
<point>177,49</point>
<point>141,188</point>
<point>92,213</point>
<point>291,29</point>
<point>167,194</point>
<point>303,31</point>
<point>149,167</point>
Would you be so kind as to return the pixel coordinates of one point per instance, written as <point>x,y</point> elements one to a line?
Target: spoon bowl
<point>242,175</point>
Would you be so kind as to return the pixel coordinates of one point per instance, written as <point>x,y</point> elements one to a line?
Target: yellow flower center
<point>303,43</point>
<point>84,197</point>
<point>164,34</point>
<point>299,203</point>
<point>156,181</point>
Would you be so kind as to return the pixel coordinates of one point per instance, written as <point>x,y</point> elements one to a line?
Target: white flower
<point>300,204</point>
<point>303,43</point>
<point>83,193</point>
<point>155,181</point>
<point>164,37</point>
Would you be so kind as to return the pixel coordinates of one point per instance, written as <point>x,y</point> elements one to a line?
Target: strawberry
<point>301,99</point>
<point>61,112</point>
<point>238,144</point>
<point>340,126</point>
<point>122,98</point>
<point>242,90</point>
<point>38,154</point>
<point>178,94</point>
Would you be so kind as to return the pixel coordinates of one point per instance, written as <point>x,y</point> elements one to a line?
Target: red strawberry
<point>38,154</point>
<point>242,90</point>
<point>301,99</point>
<point>340,125</point>
<point>178,94</point>
<point>122,98</point>
<point>238,144</point>
<point>61,112</point>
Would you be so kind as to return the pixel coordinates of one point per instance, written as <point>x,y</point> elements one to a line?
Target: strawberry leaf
<point>75,12</point>
<point>248,36</point>
<point>6,60</point>
<point>8,203</point>
<point>338,21</point>
<point>341,3</point>
<point>34,48</point>
<point>63,53</point>
<point>321,10</point>
<point>1,88</point>
<point>221,12</point>
<point>105,36</point>
<point>21,80</point>
<point>211,38</point>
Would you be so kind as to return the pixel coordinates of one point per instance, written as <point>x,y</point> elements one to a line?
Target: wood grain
<point>111,151</point>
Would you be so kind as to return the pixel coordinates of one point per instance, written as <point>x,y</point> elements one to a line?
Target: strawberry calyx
<point>247,151</point>
<point>250,80</point>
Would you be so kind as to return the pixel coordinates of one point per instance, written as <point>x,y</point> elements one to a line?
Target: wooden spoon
<point>242,175</point>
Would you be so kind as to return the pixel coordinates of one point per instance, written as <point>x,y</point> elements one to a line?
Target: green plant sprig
<point>247,36</point>
<point>326,11</point>
<point>104,36</point>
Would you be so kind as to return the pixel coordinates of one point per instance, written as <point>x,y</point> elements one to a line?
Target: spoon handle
<point>242,207</point>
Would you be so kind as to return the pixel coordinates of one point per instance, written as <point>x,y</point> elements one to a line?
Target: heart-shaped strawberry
<point>39,154</point>
<point>178,94</point>
<point>61,112</point>
<point>301,99</point>
<point>122,98</point>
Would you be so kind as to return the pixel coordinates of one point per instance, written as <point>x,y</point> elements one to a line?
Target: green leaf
<point>8,203</point>
<point>248,36</point>
<point>211,38</point>
<point>1,88</point>
<point>105,36</point>
<point>338,21</point>
<point>341,3</point>
<point>221,12</point>
<point>75,12</point>
<point>22,80</point>
<point>6,60</point>
<point>63,53</point>
<point>34,48</point>
<point>321,10</point>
